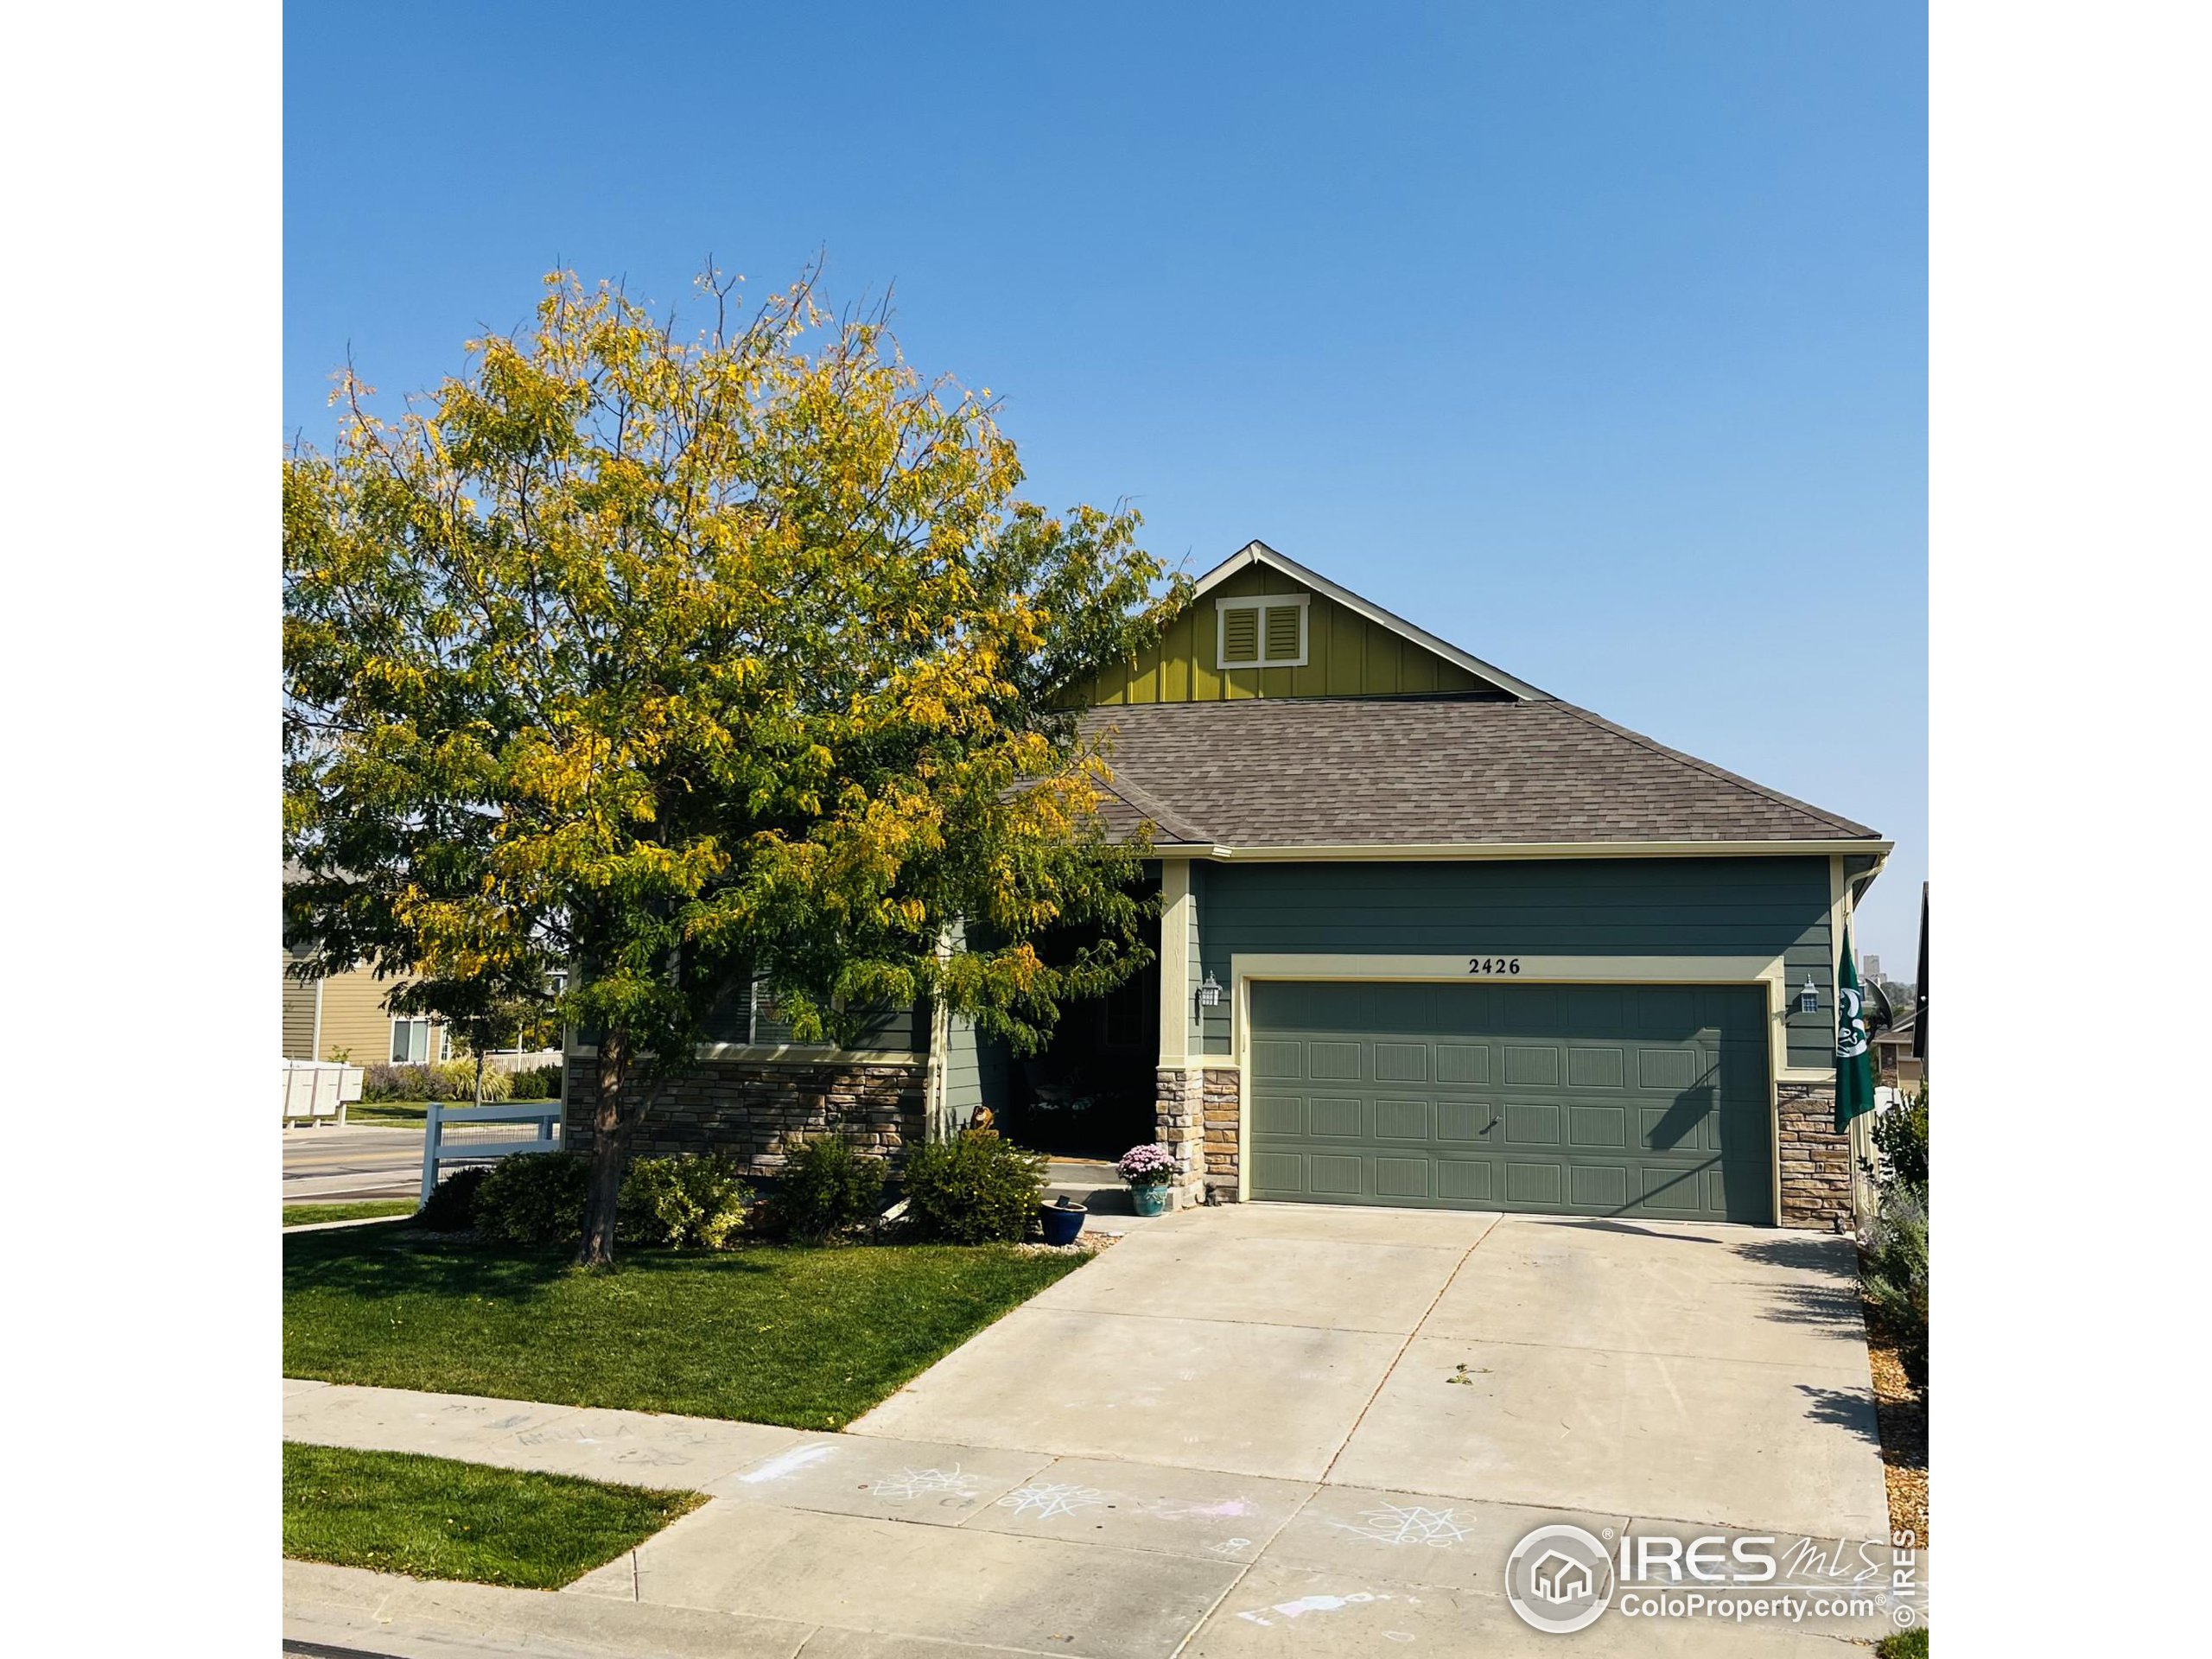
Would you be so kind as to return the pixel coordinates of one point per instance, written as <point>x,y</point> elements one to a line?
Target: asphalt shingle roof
<point>1318,771</point>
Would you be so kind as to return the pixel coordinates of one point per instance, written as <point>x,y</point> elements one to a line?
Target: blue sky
<point>1591,336</point>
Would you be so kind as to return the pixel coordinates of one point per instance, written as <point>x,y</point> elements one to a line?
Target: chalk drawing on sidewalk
<point>1045,1500</point>
<point>1305,1605</point>
<point>785,1464</point>
<point>926,1483</point>
<point>1407,1523</point>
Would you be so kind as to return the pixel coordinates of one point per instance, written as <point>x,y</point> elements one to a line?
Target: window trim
<point>1263,603</point>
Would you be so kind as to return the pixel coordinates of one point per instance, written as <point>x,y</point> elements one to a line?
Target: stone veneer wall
<point>1220,1104</point>
<point>1197,1122</point>
<point>1180,1124</point>
<point>1816,1159</point>
<point>756,1108</point>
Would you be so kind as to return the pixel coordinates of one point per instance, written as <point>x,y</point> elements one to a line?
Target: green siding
<point>1672,907</point>
<point>1346,656</point>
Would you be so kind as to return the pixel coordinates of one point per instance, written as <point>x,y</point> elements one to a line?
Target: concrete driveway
<point>1677,1372</point>
<point>1259,1431</point>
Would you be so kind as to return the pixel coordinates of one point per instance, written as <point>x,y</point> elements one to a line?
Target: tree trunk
<point>479,1076</point>
<point>610,1145</point>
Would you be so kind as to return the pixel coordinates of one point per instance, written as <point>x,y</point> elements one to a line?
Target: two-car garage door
<point>1613,1100</point>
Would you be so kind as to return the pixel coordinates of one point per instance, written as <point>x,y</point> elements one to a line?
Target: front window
<point>410,1041</point>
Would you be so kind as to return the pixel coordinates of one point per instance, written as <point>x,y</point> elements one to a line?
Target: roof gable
<point>1352,646</point>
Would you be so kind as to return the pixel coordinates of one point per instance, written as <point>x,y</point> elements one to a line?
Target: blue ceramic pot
<point>1061,1223</point>
<point>1150,1197</point>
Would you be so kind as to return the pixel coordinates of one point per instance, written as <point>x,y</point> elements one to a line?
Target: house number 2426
<point>1493,964</point>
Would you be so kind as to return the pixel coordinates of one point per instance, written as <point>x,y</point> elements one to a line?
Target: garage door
<point>1572,1100</point>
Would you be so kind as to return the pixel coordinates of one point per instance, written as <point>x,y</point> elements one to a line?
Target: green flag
<point>1854,1067</point>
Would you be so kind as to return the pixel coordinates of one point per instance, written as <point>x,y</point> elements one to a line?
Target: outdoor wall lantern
<point>1210,993</point>
<point>1809,1000</point>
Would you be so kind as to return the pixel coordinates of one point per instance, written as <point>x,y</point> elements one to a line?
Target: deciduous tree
<point>681,656</point>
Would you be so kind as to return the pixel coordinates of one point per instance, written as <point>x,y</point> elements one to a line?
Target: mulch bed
<point>1901,1414</point>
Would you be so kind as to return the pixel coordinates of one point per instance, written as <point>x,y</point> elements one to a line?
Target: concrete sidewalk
<point>851,1547</point>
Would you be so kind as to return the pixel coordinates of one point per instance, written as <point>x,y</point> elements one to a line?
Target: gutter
<point>1425,852</point>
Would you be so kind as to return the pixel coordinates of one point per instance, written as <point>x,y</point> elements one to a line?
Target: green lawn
<point>298,1214</point>
<point>806,1337</point>
<point>1906,1645</point>
<point>411,1114</point>
<point>434,1518</point>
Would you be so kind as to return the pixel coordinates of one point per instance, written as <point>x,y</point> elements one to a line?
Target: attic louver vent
<point>1240,635</point>
<point>1263,633</point>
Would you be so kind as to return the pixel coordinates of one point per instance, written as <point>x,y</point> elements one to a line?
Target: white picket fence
<point>437,1151</point>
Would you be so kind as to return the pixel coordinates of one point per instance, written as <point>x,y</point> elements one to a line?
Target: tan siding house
<point>343,1017</point>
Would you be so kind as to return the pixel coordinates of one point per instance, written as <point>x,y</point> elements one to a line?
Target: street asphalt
<point>329,1164</point>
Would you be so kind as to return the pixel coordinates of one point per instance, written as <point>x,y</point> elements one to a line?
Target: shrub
<point>384,1082</point>
<point>537,1083</point>
<point>534,1197</point>
<point>1901,1141</point>
<point>1896,1275</point>
<point>973,1189</point>
<point>452,1207</point>
<point>456,1081</point>
<point>690,1198</point>
<point>828,1184</point>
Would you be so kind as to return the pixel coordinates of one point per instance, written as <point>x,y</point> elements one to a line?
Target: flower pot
<point>1150,1197</point>
<point>1061,1221</point>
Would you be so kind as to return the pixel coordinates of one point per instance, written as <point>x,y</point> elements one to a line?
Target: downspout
<point>937,1111</point>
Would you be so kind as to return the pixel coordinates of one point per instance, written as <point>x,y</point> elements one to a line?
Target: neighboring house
<point>344,1015</point>
<point>1431,937</point>
<point>1894,1061</point>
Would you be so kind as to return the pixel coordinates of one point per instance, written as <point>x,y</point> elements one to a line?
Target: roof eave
<point>1439,852</point>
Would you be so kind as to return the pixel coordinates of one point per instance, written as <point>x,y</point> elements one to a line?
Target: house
<point>343,1017</point>
<point>1429,936</point>
<point>1894,1061</point>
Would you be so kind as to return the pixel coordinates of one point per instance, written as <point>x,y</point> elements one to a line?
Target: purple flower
<point>1147,1164</point>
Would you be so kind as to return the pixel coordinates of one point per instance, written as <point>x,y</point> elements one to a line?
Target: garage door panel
<point>1665,1012</point>
<point>1335,1175</point>
<point>1676,1192</point>
<point>1538,1186</point>
<point>1402,1178</point>
<point>1685,1126</point>
<point>1594,1007</point>
<point>1333,1062</point>
<point>1527,1067</point>
<point>1596,1068</point>
<point>1464,1120</point>
<point>1531,1125</point>
<point>1665,1068</point>
<point>1611,1100</point>
<point>1464,1181</point>
<point>1597,1126</point>
<point>1401,1062</point>
<point>1462,1063</point>
<point>1278,1116</point>
<point>1603,1187</point>
<point>1328,1118</point>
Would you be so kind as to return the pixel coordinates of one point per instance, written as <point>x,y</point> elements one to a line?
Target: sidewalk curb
<point>359,1221</point>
